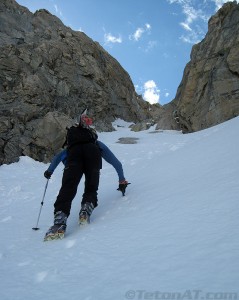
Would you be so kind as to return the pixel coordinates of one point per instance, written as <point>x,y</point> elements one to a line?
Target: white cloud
<point>109,38</point>
<point>150,46</point>
<point>191,38</point>
<point>186,26</point>
<point>166,95</point>
<point>151,92</point>
<point>196,18</point>
<point>191,13</point>
<point>139,32</point>
<point>58,11</point>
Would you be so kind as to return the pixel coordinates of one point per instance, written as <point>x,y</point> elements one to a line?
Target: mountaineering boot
<point>57,231</point>
<point>85,212</point>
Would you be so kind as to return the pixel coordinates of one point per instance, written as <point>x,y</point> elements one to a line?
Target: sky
<point>152,40</point>
<point>174,236</point>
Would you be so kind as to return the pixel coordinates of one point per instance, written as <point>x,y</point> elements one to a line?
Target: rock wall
<point>209,91</point>
<point>48,74</point>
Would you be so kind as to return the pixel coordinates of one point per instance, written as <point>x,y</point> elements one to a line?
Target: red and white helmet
<point>85,121</point>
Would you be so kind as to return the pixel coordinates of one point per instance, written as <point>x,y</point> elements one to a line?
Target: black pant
<point>81,159</point>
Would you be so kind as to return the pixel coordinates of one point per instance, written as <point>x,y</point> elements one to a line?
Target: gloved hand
<point>122,186</point>
<point>47,174</point>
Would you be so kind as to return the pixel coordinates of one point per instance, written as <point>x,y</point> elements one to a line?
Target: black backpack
<point>80,135</point>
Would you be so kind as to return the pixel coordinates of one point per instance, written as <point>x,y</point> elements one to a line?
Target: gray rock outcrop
<point>209,91</point>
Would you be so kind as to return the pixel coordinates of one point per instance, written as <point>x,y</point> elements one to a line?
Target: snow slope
<point>173,236</point>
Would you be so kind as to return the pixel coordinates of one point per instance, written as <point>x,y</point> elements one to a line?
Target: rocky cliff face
<point>209,91</point>
<point>48,74</point>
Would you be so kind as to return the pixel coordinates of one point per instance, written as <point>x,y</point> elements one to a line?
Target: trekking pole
<point>36,228</point>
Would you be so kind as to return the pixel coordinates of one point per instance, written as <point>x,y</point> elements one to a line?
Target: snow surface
<point>175,232</point>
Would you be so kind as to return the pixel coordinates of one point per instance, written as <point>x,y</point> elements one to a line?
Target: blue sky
<point>151,39</point>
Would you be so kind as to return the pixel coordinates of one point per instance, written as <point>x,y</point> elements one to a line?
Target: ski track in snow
<point>175,230</point>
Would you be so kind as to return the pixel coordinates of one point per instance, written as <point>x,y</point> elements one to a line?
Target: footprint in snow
<point>176,146</point>
<point>15,190</point>
<point>6,219</point>
<point>70,244</point>
<point>24,263</point>
<point>41,276</point>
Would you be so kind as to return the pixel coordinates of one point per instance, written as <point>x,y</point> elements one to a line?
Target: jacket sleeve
<point>111,159</point>
<point>60,157</point>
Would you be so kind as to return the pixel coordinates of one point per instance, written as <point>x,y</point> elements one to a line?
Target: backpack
<point>80,135</point>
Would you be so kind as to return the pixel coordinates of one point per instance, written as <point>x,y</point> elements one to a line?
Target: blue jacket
<point>105,152</point>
